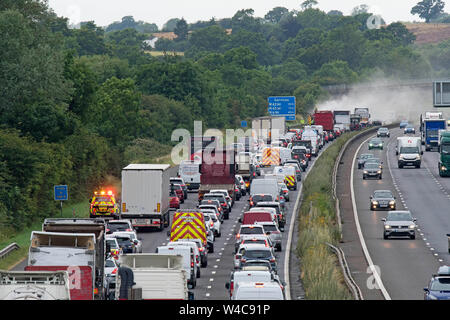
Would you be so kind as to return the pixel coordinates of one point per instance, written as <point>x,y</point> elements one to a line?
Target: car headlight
<point>379,171</point>
<point>431,297</point>
<point>387,227</point>
<point>392,202</point>
<point>380,145</point>
<point>370,145</point>
<point>365,171</point>
<point>412,226</point>
<point>374,202</point>
<point>443,168</point>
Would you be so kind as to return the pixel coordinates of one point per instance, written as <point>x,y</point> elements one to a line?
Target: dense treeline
<point>78,104</point>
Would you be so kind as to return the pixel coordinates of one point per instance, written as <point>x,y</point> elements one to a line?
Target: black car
<point>375,160</point>
<point>362,159</point>
<point>223,202</point>
<point>126,244</point>
<point>372,170</point>
<point>382,199</point>
<point>383,132</point>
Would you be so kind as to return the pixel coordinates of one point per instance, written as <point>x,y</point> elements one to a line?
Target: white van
<point>311,135</point>
<point>257,291</point>
<point>285,155</point>
<point>189,171</point>
<point>189,264</point>
<point>265,186</point>
<point>194,246</point>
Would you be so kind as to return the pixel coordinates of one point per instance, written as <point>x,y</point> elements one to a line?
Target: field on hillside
<point>429,32</point>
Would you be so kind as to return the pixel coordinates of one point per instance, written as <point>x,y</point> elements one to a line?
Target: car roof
<point>268,203</point>
<point>250,225</point>
<point>254,246</point>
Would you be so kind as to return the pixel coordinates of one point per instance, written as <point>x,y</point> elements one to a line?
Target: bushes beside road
<point>321,275</point>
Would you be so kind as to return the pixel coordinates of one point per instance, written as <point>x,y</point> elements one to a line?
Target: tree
<point>90,39</point>
<point>335,13</point>
<point>212,38</point>
<point>181,30</point>
<point>170,25</point>
<point>363,8</point>
<point>428,9</point>
<point>308,4</point>
<point>276,14</point>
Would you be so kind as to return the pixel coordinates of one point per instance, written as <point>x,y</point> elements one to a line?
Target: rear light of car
<point>231,287</point>
<point>236,257</point>
<point>243,260</point>
<point>107,230</point>
<point>296,157</point>
<point>114,271</point>
<point>192,264</point>
<point>212,224</point>
<point>251,203</point>
<point>238,236</point>
<point>200,249</point>
<point>129,230</point>
<point>223,204</point>
<point>285,191</point>
<point>272,260</point>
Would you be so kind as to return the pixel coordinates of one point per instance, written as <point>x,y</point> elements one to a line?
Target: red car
<point>178,189</point>
<point>174,201</point>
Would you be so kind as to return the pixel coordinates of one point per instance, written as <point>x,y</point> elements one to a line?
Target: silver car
<point>272,231</point>
<point>399,224</point>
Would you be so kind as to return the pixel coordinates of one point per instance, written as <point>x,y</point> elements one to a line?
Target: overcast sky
<point>104,12</point>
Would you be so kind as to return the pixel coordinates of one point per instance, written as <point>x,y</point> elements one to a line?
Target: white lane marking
<point>358,228</point>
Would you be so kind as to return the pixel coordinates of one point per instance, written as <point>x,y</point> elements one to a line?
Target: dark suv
<point>223,202</point>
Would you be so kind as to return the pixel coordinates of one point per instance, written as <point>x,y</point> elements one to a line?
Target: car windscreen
<point>257,254</point>
<point>207,217</point>
<point>254,241</point>
<point>298,150</point>
<point>399,216</point>
<point>371,166</point>
<point>103,199</point>
<point>206,202</point>
<point>112,244</point>
<point>411,150</point>
<point>383,194</point>
<point>374,141</point>
<point>441,284</point>
<point>366,156</point>
<point>277,208</point>
<point>250,230</point>
<point>214,197</point>
<point>269,227</point>
<point>258,198</point>
<point>109,264</point>
<point>123,241</point>
<point>113,227</point>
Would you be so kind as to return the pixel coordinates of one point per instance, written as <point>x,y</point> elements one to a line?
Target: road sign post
<point>61,193</point>
<point>282,107</point>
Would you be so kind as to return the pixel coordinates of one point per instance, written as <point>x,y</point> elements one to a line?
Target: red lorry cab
<point>250,217</point>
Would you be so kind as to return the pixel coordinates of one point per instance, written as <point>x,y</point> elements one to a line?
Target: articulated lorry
<point>34,285</point>
<point>342,119</point>
<point>444,154</point>
<point>268,128</point>
<point>364,114</point>
<point>430,132</point>
<point>218,171</point>
<point>324,119</point>
<point>159,276</point>
<point>145,195</point>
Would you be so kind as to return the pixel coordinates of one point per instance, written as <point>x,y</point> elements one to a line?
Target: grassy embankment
<point>321,274</point>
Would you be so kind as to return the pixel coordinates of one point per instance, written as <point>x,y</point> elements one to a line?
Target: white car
<point>137,244</point>
<point>211,218</point>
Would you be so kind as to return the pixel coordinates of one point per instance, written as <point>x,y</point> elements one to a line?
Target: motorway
<point>211,284</point>
<point>405,266</point>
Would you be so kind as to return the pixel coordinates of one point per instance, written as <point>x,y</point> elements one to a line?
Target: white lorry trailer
<point>161,277</point>
<point>145,195</point>
<point>268,128</point>
<point>34,285</point>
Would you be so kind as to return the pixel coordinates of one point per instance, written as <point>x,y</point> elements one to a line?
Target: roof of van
<point>161,167</point>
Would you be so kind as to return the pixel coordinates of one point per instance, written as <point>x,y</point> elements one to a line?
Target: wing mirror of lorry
<point>383,219</point>
<point>426,290</point>
<point>414,220</point>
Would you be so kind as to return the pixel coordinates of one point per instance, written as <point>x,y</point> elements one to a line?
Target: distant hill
<point>429,32</point>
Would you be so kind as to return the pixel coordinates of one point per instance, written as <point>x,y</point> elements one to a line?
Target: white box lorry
<point>268,128</point>
<point>161,277</point>
<point>145,195</point>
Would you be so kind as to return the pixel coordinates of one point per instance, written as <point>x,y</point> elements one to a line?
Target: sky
<point>104,12</point>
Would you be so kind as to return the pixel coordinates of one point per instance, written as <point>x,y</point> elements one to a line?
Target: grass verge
<point>22,238</point>
<point>321,275</point>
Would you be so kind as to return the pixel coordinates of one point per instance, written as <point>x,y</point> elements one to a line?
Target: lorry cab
<point>444,156</point>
